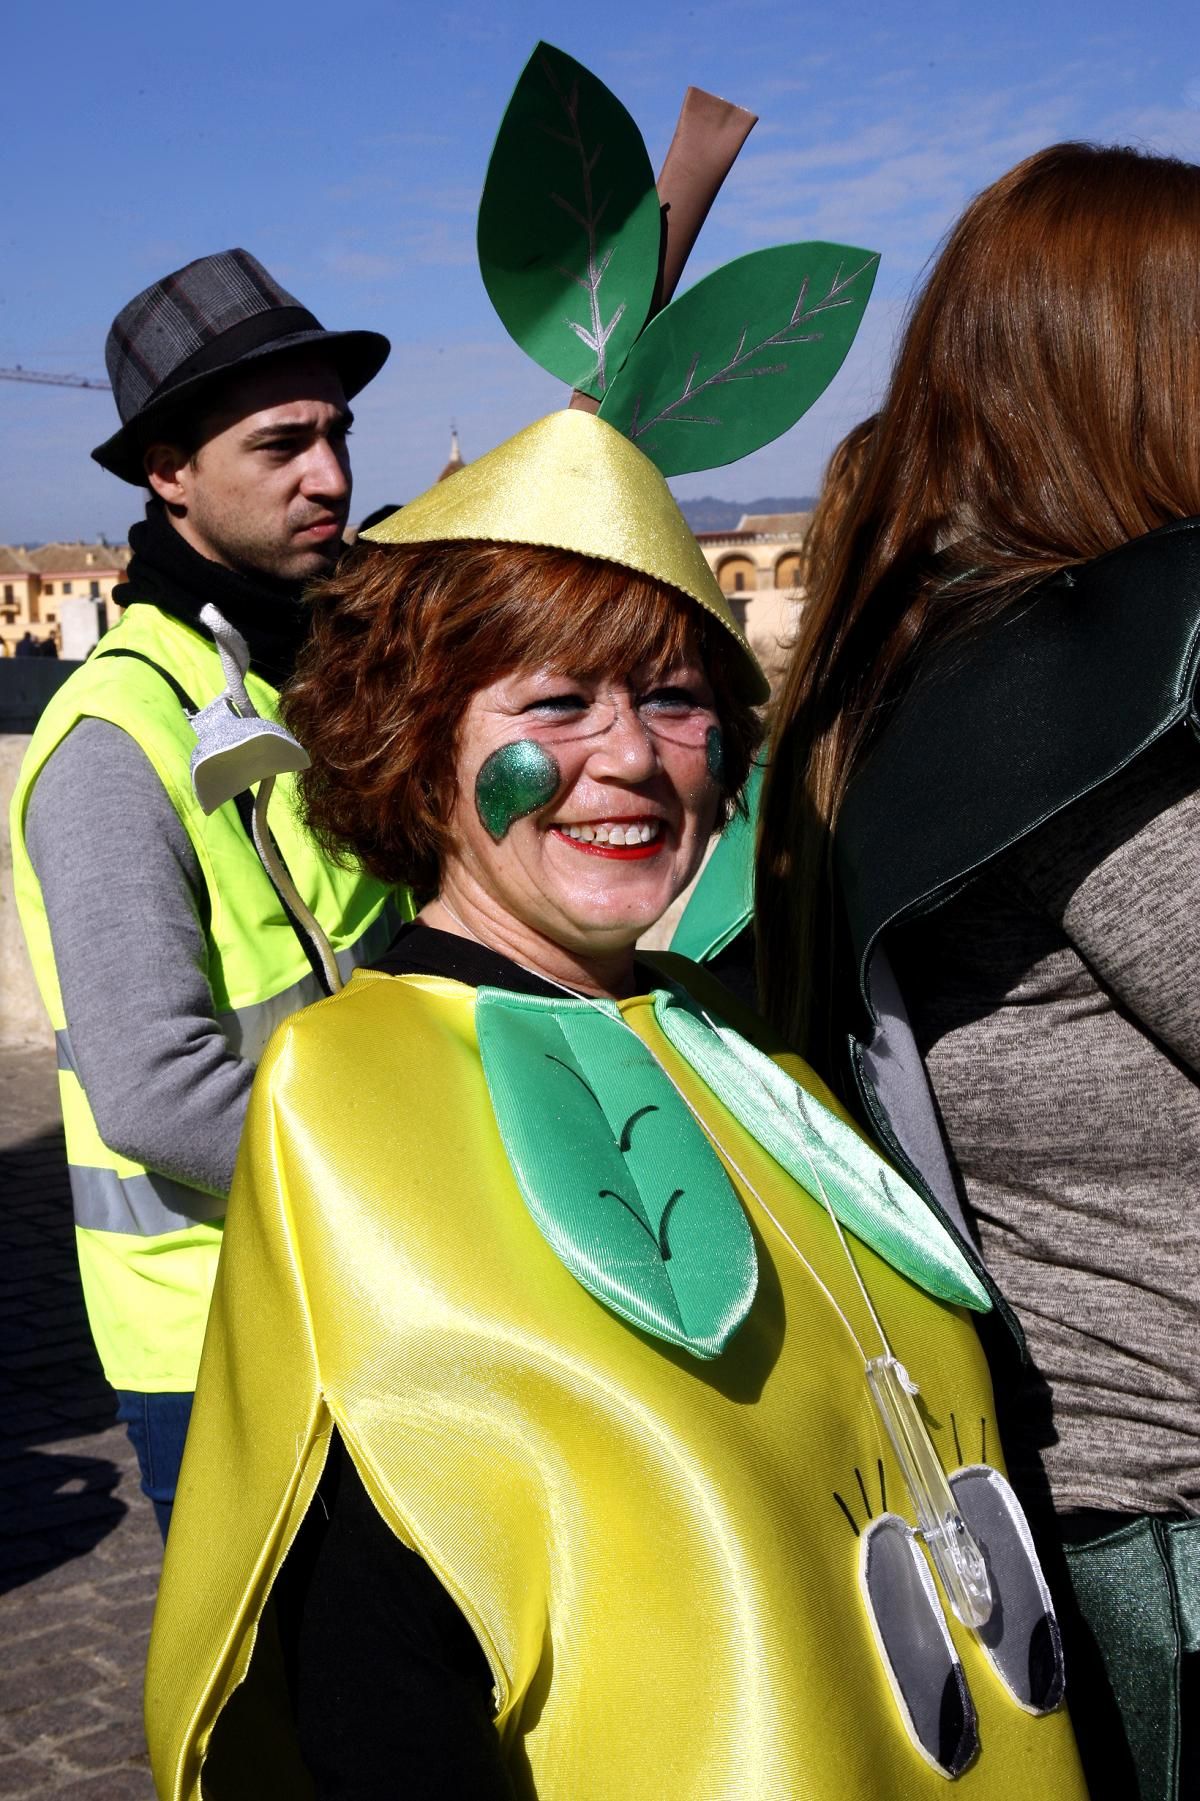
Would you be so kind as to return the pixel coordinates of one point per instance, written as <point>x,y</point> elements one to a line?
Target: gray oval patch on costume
<point>1022,1638</point>
<point>923,1667</point>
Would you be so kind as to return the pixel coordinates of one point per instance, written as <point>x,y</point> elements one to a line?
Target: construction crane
<point>54,381</point>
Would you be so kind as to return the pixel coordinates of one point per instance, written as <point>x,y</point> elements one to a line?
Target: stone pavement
<point>79,1549</point>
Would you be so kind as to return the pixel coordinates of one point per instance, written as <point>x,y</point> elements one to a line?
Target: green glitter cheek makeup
<point>515,780</point>
<point>714,753</point>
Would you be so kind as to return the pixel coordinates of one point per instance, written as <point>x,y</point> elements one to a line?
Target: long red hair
<point>1044,408</point>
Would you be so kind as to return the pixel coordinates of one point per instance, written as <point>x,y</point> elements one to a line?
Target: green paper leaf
<point>618,1177</point>
<point>736,360</point>
<point>569,224</point>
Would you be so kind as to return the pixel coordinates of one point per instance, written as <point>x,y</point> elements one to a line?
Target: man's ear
<point>167,468</point>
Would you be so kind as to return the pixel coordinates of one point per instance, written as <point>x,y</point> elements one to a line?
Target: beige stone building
<point>20,584</point>
<point>35,583</point>
<point>758,567</point>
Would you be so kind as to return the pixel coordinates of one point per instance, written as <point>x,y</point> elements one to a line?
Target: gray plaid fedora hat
<point>197,324</point>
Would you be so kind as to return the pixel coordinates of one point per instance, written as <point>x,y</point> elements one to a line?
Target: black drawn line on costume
<point>850,1517</point>
<point>983,1440</point>
<point>624,1142</point>
<point>627,1129</point>
<point>957,1447</point>
<point>663,1246</point>
<point>659,1238</point>
<point>883,1506</point>
<point>888,1196</point>
<point>582,1080</point>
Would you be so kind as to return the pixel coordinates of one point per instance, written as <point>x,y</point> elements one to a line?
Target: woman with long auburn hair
<point>979,865</point>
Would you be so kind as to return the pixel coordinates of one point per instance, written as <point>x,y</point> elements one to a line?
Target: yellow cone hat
<point>570,482</point>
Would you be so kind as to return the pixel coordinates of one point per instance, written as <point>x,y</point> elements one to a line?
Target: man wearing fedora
<point>164,952</point>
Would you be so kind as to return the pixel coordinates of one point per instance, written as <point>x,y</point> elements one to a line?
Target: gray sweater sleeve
<point>122,888</point>
<point>1120,872</point>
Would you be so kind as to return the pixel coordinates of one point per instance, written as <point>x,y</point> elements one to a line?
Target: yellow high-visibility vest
<point>147,1244</point>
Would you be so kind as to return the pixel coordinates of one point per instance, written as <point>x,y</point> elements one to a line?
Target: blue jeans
<point>157,1426</point>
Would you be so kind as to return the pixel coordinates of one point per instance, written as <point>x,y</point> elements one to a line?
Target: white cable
<point>720,1149</point>
<point>822,1192</point>
<point>276,869</point>
<point>952,1546</point>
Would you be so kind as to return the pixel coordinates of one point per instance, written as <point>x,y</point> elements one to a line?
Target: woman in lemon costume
<point>557,1431</point>
<point>587,1411</point>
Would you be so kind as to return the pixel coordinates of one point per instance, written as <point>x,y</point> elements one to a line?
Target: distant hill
<point>713,515</point>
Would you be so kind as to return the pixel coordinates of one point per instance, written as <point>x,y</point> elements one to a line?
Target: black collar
<point>1005,729</point>
<point>419,949</point>
<point>167,573</point>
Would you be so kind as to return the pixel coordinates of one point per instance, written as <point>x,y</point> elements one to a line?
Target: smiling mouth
<point>626,839</point>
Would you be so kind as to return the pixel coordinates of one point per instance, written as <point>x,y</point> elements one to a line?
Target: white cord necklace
<point>954,1551</point>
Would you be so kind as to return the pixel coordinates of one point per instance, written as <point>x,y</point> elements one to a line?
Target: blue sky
<point>346,147</point>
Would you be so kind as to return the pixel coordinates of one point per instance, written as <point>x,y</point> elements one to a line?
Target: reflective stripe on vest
<point>150,1203</point>
<point>249,1029</point>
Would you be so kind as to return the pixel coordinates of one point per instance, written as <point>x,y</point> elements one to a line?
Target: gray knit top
<point>1056,1002</point>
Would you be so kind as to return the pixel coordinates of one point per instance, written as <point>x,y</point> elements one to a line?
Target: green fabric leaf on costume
<point>736,360</point>
<point>570,224</point>
<point>819,1150</point>
<point>722,902</point>
<point>619,1178</point>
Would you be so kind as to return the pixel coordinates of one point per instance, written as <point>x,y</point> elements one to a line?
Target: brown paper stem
<point>708,136</point>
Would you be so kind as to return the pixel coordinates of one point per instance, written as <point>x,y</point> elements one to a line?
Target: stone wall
<point>22,1016</point>
<point>26,684</point>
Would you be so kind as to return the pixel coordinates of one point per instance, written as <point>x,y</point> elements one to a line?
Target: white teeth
<point>642,833</point>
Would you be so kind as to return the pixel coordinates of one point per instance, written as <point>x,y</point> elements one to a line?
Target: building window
<point>9,596</point>
<point>49,587</point>
<point>93,590</point>
<point>68,587</point>
<point>736,575</point>
<point>49,618</point>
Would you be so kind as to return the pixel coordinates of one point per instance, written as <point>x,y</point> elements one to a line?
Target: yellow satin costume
<point>650,1549</point>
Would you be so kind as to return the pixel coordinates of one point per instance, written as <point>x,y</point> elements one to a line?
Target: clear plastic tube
<point>957,1558</point>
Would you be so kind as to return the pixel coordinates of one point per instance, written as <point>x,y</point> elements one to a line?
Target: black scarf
<point>166,572</point>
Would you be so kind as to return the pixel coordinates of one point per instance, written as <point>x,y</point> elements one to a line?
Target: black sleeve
<point>391,1691</point>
